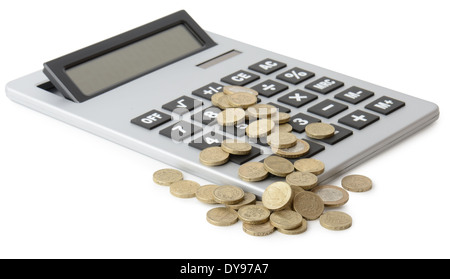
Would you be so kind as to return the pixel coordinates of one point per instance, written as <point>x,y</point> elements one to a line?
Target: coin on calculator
<point>319,130</point>
<point>214,156</point>
<point>253,171</point>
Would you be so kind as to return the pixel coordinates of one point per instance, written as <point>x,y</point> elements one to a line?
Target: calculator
<point>149,89</point>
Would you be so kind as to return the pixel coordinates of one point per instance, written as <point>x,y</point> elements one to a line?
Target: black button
<point>242,159</point>
<point>151,119</point>
<point>324,85</point>
<point>240,78</point>
<point>280,108</point>
<point>295,75</point>
<point>267,66</point>
<point>354,95</point>
<point>207,140</point>
<point>208,90</point>
<point>359,119</point>
<point>385,105</point>
<point>297,98</point>
<point>314,148</point>
<point>327,108</point>
<point>182,105</point>
<point>180,131</point>
<point>339,134</point>
<point>238,130</point>
<point>300,120</point>
<point>269,88</point>
<point>206,116</point>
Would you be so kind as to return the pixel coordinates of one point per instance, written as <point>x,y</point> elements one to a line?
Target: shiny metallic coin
<point>166,177</point>
<point>233,89</point>
<point>249,198</point>
<point>298,150</point>
<point>357,183</point>
<point>286,128</point>
<point>305,180</point>
<point>258,229</point>
<point>236,147</point>
<point>261,111</point>
<point>286,219</point>
<point>301,229</point>
<point>205,194</point>
<point>336,220</point>
<point>213,156</point>
<point>231,117</point>
<point>222,216</point>
<point>332,196</point>
<point>319,130</point>
<point>260,128</point>
<point>278,166</point>
<point>184,189</point>
<point>282,140</point>
<point>253,171</point>
<point>310,165</point>
<point>277,196</point>
<point>253,214</point>
<point>228,194</point>
<point>242,100</point>
<point>309,205</point>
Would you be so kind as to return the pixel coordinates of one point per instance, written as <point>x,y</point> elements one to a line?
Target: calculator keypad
<point>267,66</point>
<point>300,120</point>
<point>354,95</point>
<point>324,85</point>
<point>208,90</point>
<point>151,119</point>
<point>297,98</point>
<point>180,130</point>
<point>359,119</point>
<point>327,108</point>
<point>182,105</point>
<point>269,88</point>
<point>240,78</point>
<point>385,105</point>
<point>295,75</point>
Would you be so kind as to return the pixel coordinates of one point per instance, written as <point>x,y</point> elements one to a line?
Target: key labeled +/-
<point>208,90</point>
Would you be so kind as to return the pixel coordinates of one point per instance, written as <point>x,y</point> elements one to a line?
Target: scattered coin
<point>309,205</point>
<point>310,165</point>
<point>228,194</point>
<point>336,220</point>
<point>286,128</point>
<point>296,190</point>
<point>254,214</point>
<point>258,229</point>
<point>301,229</point>
<point>205,193</point>
<point>253,171</point>
<point>233,89</point>
<point>281,117</point>
<point>286,219</point>
<point>249,198</point>
<point>242,100</point>
<point>332,196</point>
<point>236,147</point>
<point>184,189</point>
<point>305,180</point>
<point>281,140</point>
<point>213,156</point>
<point>222,216</point>
<point>319,130</point>
<point>231,116</point>
<point>223,102</point>
<point>216,97</point>
<point>166,177</point>
<point>260,128</point>
<point>356,183</point>
<point>261,111</point>
<point>278,166</point>
<point>277,196</point>
<point>298,150</point>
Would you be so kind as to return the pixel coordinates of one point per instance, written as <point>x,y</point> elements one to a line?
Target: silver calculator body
<point>110,115</point>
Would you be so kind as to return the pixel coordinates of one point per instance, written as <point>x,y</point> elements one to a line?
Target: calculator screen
<point>133,60</point>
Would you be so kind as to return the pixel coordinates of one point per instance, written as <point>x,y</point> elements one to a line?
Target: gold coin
<point>260,128</point>
<point>236,147</point>
<point>253,214</point>
<point>357,183</point>
<point>261,111</point>
<point>233,89</point>
<point>166,177</point>
<point>249,198</point>
<point>184,189</point>
<point>301,229</point>
<point>281,117</point>
<point>286,219</point>
<point>277,196</point>
<point>205,194</point>
<point>309,205</point>
<point>222,216</point>
<point>258,229</point>
<point>296,190</point>
<point>319,130</point>
<point>253,171</point>
<point>228,194</point>
<point>298,150</point>
<point>278,166</point>
<point>222,101</point>
<point>216,97</point>
<point>332,196</point>
<point>305,180</point>
<point>336,220</point>
<point>231,117</point>
<point>284,128</point>
<point>213,156</point>
<point>242,100</point>
<point>281,140</point>
<point>310,165</point>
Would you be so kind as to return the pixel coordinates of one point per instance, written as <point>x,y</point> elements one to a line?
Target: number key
<point>300,120</point>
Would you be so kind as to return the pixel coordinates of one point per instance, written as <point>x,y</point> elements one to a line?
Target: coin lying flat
<point>228,194</point>
<point>184,189</point>
<point>286,219</point>
<point>332,196</point>
<point>249,198</point>
<point>336,220</point>
<point>242,100</point>
<point>236,147</point>
<point>278,166</point>
<point>305,180</point>
<point>281,117</point>
<point>253,171</point>
<point>356,183</point>
<point>233,89</point>
<point>222,216</point>
<point>281,140</point>
<point>213,156</point>
<point>301,229</point>
<point>258,229</point>
<point>231,116</point>
<point>319,130</point>
<point>166,177</point>
<point>253,214</point>
<point>260,128</point>
<point>205,193</point>
<point>298,150</point>
<point>261,111</point>
<point>309,205</point>
<point>277,196</point>
<point>286,128</point>
<point>310,165</point>
<point>222,101</point>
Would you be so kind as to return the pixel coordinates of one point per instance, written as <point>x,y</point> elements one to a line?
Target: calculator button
<point>297,98</point>
<point>340,133</point>
<point>206,116</point>
<point>295,75</point>
<point>180,131</point>
<point>300,120</point>
<point>327,108</point>
<point>314,148</point>
<point>242,159</point>
<point>182,105</point>
<point>385,105</point>
<point>207,140</point>
<point>324,85</point>
<point>238,130</point>
<point>269,88</point>
<point>208,90</point>
<point>359,119</point>
<point>354,95</point>
<point>240,78</point>
<point>267,66</point>
<point>280,108</point>
<point>151,119</point>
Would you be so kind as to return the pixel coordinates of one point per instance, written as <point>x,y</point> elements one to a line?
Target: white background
<point>65,193</point>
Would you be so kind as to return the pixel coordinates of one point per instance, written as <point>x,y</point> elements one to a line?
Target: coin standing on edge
<point>277,196</point>
<point>166,177</point>
<point>331,195</point>
<point>309,205</point>
<point>184,189</point>
<point>228,194</point>
<point>336,220</point>
<point>356,183</point>
<point>222,216</point>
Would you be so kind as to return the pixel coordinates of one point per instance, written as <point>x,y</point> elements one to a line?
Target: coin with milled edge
<point>242,100</point>
<point>305,180</point>
<point>184,189</point>
<point>281,117</point>
<point>319,130</point>
<point>357,183</point>
<point>166,177</point>
<point>286,128</point>
<point>309,205</point>
<point>222,216</point>
<point>310,165</point>
<point>261,111</point>
<point>213,156</point>
<point>222,101</point>
<point>336,220</point>
<point>215,98</point>
<point>277,196</point>
<point>286,219</point>
<point>260,128</point>
<point>331,195</point>
<point>298,150</point>
<point>278,166</point>
<point>253,171</point>
<point>233,89</point>
<point>205,194</point>
<point>231,116</point>
<point>249,198</point>
<point>281,140</point>
<point>228,194</point>
<point>253,214</point>
<point>236,147</point>
<point>301,229</point>
<point>258,229</point>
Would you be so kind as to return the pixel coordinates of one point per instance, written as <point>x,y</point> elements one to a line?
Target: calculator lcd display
<point>133,60</point>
